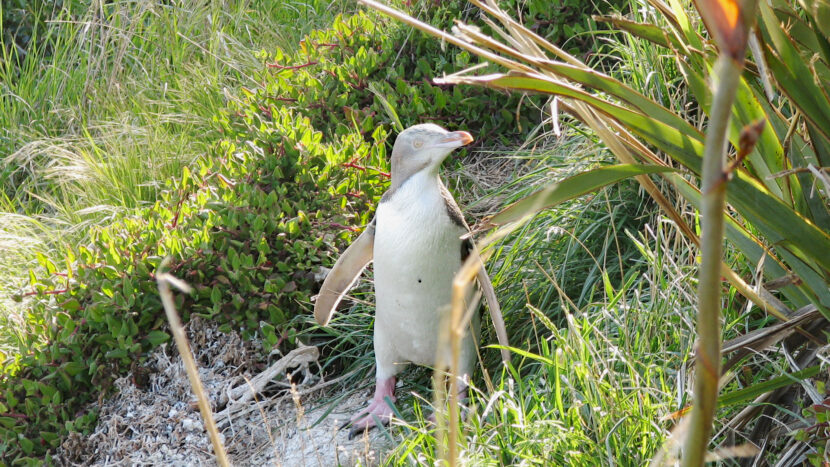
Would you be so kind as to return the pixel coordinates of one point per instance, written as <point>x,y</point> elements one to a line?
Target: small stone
<point>192,425</point>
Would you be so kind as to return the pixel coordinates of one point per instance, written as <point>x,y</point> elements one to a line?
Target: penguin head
<point>423,147</point>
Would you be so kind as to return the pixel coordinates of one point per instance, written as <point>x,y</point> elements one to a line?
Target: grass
<point>115,100</point>
<point>131,89</point>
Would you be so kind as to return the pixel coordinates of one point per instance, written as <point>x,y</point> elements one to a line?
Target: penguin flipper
<point>495,311</point>
<point>344,274</point>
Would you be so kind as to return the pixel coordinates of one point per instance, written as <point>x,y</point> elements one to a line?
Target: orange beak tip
<point>465,137</point>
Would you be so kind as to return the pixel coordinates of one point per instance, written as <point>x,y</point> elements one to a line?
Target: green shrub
<point>248,229</point>
<point>566,23</point>
<point>361,73</point>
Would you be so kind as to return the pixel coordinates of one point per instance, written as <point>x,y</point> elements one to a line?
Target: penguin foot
<point>378,411</point>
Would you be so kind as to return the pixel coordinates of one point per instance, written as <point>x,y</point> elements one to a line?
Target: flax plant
<point>777,215</point>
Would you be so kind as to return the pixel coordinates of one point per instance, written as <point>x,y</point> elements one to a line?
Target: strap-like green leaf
<point>755,390</point>
<point>814,205</point>
<point>645,31</point>
<point>775,219</point>
<point>573,187</point>
<point>754,250</point>
<point>779,223</point>
<point>606,84</point>
<point>682,142</point>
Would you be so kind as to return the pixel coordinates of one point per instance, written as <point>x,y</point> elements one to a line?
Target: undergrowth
<point>599,308</point>
<point>124,168</point>
<point>595,387</point>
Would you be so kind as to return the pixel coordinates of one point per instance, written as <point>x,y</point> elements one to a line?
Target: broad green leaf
<point>573,187</point>
<point>71,305</point>
<point>73,368</point>
<point>157,337</point>
<point>26,445</point>
<point>116,353</point>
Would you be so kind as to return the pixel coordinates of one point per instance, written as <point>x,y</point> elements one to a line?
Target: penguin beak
<point>455,139</point>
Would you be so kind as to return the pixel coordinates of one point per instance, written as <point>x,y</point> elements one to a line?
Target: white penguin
<point>418,241</point>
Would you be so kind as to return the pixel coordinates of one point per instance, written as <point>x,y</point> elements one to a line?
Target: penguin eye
<point>418,143</point>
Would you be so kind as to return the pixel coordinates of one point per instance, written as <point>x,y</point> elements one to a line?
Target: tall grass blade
<point>755,390</point>
<point>572,187</point>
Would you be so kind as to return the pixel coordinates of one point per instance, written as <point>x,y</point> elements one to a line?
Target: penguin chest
<point>417,252</point>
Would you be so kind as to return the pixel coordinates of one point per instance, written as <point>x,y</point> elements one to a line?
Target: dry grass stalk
<point>164,281</point>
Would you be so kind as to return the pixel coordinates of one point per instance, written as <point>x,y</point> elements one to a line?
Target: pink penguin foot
<point>378,411</point>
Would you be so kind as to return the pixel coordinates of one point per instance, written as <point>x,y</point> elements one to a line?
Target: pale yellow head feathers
<point>423,147</point>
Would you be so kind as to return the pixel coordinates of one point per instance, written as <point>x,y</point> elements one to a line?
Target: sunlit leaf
<point>573,187</point>
<point>792,73</point>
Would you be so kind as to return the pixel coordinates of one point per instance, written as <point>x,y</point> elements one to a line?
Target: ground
<point>157,422</point>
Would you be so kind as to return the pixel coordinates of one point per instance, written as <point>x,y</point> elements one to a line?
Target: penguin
<point>418,240</point>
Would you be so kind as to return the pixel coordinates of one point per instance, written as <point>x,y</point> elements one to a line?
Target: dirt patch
<point>153,419</point>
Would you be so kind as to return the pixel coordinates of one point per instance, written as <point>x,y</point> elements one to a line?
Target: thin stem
<point>727,71</point>
<point>182,345</point>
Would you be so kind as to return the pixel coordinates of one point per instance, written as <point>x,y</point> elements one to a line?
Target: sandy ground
<point>156,421</point>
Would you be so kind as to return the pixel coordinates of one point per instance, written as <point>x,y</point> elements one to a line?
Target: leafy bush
<point>249,229</point>
<point>359,74</point>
